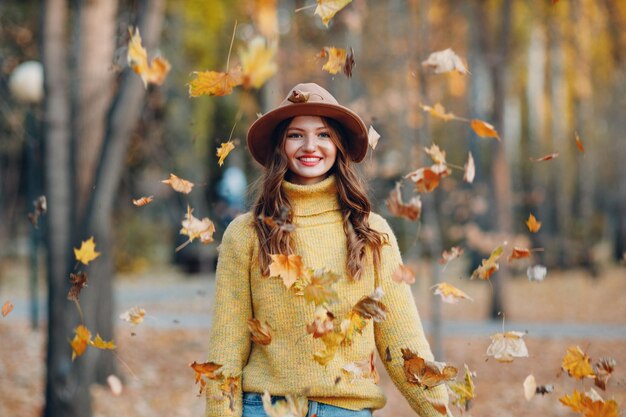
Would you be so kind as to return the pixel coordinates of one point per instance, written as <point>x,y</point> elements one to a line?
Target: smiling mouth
<point>309,160</point>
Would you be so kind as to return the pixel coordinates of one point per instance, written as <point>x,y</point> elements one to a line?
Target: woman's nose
<point>310,142</point>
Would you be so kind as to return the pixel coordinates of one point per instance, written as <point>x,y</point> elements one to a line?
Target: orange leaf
<point>224,150</point>
<point>403,274</point>
<point>469,169</point>
<point>445,61</point>
<point>450,255</point>
<point>196,228</point>
<point>533,224</point>
<point>438,111</point>
<point>484,129</point>
<point>213,83</point>
<point>336,59</point>
<point>322,322</point>
<point>80,341</point>
<point>140,202</point>
<point>326,9</point>
<point>449,293</point>
<point>488,266</point>
<point>78,281</point>
<point>99,343</point>
<point>519,253</point>
<point>287,267</point>
<point>179,184</point>
<point>427,179</point>
<point>261,332</point>
<point>7,307</point>
<point>577,363</point>
<point>258,62</point>
<point>206,369</point>
<point>505,346</point>
<point>579,144</point>
<point>412,210</point>
<point>153,73</point>
<point>546,157</point>
<point>87,251</point>
<point>133,315</point>
<point>575,401</point>
<point>427,374</point>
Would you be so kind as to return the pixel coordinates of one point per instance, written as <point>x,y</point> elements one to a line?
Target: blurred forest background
<point>542,72</point>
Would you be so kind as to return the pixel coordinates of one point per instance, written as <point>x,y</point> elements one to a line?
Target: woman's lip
<point>311,160</point>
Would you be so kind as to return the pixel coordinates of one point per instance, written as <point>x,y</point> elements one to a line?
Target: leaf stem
<point>304,8</point>
<point>232,40</point>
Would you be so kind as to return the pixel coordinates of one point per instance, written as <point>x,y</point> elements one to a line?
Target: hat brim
<point>259,136</point>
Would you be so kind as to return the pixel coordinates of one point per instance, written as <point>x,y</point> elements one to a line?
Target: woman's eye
<point>325,135</point>
<point>293,135</point>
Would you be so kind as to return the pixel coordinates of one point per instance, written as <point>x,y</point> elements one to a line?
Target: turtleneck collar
<point>308,200</point>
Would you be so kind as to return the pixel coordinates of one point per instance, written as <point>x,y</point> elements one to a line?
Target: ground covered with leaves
<point>162,384</point>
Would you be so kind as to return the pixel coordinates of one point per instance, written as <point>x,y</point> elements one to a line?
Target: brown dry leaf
<point>7,307</point>
<point>140,202</point>
<point>326,9</point>
<point>87,251</point>
<point>372,137</point>
<point>484,129</point>
<point>449,255</point>
<point>179,184</point>
<point>469,169</point>
<point>133,315</point>
<point>80,341</point>
<point>41,207</point>
<point>288,267</point>
<point>427,374</point>
<point>298,96</point>
<point>78,281</point>
<point>291,406</point>
<point>603,370</point>
<point>213,83</point>
<point>411,211</point>
<point>463,392</point>
<point>350,326</point>
<point>438,111</point>
<point>282,222</point>
<point>579,144</point>
<point>546,157</point>
<point>99,343</point>
<point>388,357</point>
<point>115,385</point>
<point>577,364</point>
<point>152,73</point>
<point>349,64</point>
<point>449,293</point>
<point>370,307</point>
<point>403,274</point>
<point>488,266</point>
<point>261,332</point>
<point>318,289</point>
<point>336,59</point>
<point>224,150</point>
<point>506,346</point>
<point>365,368</point>
<point>519,253</point>
<point>196,228</point>
<point>436,154</point>
<point>533,224</point>
<point>322,322</point>
<point>445,61</point>
<point>258,62</point>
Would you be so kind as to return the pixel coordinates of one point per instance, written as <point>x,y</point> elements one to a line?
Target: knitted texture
<point>286,365</point>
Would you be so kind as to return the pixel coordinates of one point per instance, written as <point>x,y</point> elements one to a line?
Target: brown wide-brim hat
<point>307,99</point>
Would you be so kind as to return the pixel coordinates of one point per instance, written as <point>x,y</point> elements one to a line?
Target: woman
<point>314,339</point>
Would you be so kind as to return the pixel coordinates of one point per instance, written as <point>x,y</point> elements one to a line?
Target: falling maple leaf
<point>261,332</point>
<point>372,137</point>
<point>438,111</point>
<point>352,325</point>
<point>577,364</point>
<point>463,392</point>
<point>484,129</point>
<point>445,61</point>
<point>336,59</point>
<point>150,73</point>
<point>318,289</point>
<point>179,184</point>
<point>536,272</point>
<point>403,274</point>
<point>424,373</point>
<point>488,266</point>
<point>133,315</point>
<point>41,207</point>
<point>590,404</point>
<point>546,157</point>
<point>327,9</point>
<point>291,406</point>
<point>531,388</point>
<point>603,370</point>
<point>449,255</point>
<point>436,154</point>
<point>7,307</point>
<point>196,228</point>
<point>449,293</point>
<point>258,62</point>
<point>266,18</point>
<point>332,341</point>
<point>99,343</point>
<point>579,144</point>
<point>506,346</point>
<point>140,202</point>
<point>519,253</point>
<point>80,341</point>
<point>370,307</point>
<point>322,322</point>
<point>427,179</point>
<point>213,83</point>
<point>224,150</point>
<point>78,281</point>
<point>205,370</point>
<point>87,251</point>
<point>412,210</point>
<point>287,267</point>
<point>469,169</point>
<point>362,369</point>
<point>533,224</point>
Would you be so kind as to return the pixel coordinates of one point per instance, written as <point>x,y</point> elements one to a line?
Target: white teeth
<point>309,159</point>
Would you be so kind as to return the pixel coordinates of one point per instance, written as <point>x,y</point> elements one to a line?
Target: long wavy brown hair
<point>273,203</point>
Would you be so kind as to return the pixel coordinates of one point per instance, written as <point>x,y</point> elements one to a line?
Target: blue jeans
<point>253,407</point>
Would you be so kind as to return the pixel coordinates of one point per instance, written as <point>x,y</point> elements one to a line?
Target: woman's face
<point>310,149</point>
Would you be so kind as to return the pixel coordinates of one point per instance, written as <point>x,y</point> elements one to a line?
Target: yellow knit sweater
<point>286,365</point>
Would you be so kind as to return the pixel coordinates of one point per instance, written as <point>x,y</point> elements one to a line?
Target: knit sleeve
<point>402,329</point>
<point>229,343</point>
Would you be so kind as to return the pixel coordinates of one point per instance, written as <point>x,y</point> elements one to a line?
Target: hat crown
<point>308,93</point>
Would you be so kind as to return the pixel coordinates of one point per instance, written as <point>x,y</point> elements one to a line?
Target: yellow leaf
<point>213,83</point>
<point>488,266</point>
<point>319,289</point>
<point>336,59</point>
<point>326,9</point>
<point>574,401</point>
<point>463,392</point>
<point>133,315</point>
<point>179,184</point>
<point>229,388</point>
<point>505,346</point>
<point>153,73</point>
<point>196,228</point>
<point>224,150</point>
<point>261,332</point>
<point>437,155</point>
<point>449,293</point>
<point>352,325</point>
<point>577,364</point>
<point>484,129</point>
<point>87,251</point>
<point>331,342</point>
<point>287,267</point>
<point>438,111</point>
<point>80,341</point>
<point>533,224</point>
<point>258,62</point>
<point>99,343</point>
<point>445,61</point>
<point>266,18</point>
